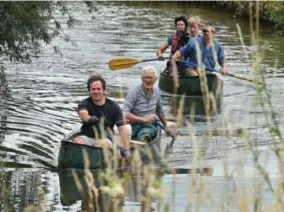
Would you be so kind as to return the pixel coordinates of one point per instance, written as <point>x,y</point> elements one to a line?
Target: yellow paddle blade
<point>122,63</point>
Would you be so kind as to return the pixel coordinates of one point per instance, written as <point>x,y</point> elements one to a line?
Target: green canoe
<point>190,87</point>
<point>69,192</point>
<point>71,154</point>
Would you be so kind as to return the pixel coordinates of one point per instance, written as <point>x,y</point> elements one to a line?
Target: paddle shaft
<point>231,75</point>
<point>242,78</point>
<point>163,128</point>
<point>149,60</point>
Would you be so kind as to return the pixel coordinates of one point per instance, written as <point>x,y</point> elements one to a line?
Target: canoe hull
<point>190,87</point>
<point>71,154</point>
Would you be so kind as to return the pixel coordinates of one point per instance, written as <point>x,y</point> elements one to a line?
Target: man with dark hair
<point>176,41</point>
<point>98,112</point>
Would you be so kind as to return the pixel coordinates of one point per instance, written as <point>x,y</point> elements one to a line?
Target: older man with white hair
<point>142,107</point>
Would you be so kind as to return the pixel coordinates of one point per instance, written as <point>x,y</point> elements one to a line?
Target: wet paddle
<point>243,78</point>
<point>228,74</point>
<point>124,63</point>
<point>163,128</point>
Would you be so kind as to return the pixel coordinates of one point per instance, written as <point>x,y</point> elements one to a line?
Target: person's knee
<point>104,143</point>
<point>190,72</point>
<point>80,140</point>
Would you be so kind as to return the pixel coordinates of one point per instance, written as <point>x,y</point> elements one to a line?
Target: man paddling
<point>142,107</point>
<point>99,115</point>
<point>202,52</point>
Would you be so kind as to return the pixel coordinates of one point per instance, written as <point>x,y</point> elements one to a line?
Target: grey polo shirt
<point>139,104</point>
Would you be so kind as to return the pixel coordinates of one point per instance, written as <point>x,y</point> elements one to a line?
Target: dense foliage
<point>25,25</point>
<point>271,11</point>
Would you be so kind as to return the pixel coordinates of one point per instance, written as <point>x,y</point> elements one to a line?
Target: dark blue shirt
<point>209,56</point>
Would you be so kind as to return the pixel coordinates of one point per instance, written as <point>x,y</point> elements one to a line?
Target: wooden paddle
<point>243,78</point>
<point>124,63</point>
<point>137,142</point>
<point>228,74</point>
<point>163,128</point>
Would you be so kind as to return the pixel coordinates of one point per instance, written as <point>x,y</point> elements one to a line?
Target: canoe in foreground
<point>71,154</point>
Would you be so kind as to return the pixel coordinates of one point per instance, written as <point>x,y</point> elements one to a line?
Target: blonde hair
<point>194,20</point>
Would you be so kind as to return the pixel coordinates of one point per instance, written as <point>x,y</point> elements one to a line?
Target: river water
<point>45,94</point>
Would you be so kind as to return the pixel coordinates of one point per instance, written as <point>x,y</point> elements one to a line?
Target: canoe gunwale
<point>68,145</point>
<point>190,85</point>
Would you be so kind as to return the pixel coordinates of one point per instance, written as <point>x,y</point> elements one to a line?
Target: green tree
<point>26,25</point>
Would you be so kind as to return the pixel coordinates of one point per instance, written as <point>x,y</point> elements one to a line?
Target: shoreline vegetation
<point>268,11</point>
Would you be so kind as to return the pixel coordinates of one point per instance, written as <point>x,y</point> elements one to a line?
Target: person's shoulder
<point>135,89</point>
<point>217,44</point>
<point>156,91</point>
<point>192,41</point>
<point>169,40</point>
<point>111,102</point>
<point>85,101</point>
<point>200,38</point>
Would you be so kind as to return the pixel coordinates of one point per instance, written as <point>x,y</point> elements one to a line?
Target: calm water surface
<point>45,94</point>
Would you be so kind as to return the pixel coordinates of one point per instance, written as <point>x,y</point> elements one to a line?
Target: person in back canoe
<point>209,50</point>
<point>194,26</point>
<point>98,112</point>
<point>142,107</point>
<point>176,41</point>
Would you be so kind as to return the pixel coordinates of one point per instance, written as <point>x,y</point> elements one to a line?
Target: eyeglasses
<point>205,30</point>
<point>147,77</point>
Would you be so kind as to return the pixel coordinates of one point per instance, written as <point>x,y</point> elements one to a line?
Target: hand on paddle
<point>125,153</point>
<point>169,132</point>
<point>224,70</point>
<point>176,56</point>
<point>160,55</point>
<point>150,118</point>
<point>93,120</point>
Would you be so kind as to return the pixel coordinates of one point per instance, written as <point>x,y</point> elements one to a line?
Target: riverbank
<point>269,11</point>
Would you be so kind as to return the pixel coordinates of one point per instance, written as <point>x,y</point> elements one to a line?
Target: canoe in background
<point>191,88</point>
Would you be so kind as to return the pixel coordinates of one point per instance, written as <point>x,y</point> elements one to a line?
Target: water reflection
<point>90,189</point>
<point>19,189</point>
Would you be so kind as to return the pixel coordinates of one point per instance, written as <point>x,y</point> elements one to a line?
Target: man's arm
<point>176,55</point>
<point>162,116</point>
<point>124,137</point>
<point>84,115</point>
<point>133,118</point>
<point>164,122</point>
<point>221,60</point>
<point>161,50</point>
<point>185,50</point>
<point>122,129</point>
